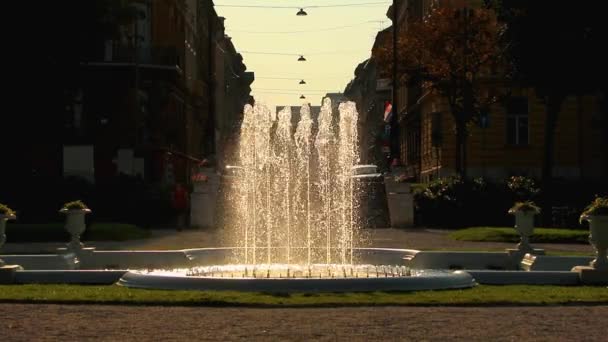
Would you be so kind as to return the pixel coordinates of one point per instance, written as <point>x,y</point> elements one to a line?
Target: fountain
<point>293,203</point>
<point>293,208</point>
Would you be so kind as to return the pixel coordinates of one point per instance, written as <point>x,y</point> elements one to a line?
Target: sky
<point>335,40</point>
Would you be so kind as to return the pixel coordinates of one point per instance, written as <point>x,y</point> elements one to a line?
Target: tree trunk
<point>553,107</point>
<point>461,149</point>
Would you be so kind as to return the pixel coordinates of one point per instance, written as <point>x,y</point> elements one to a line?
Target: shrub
<point>527,206</point>
<point>55,232</point>
<point>74,205</point>
<point>523,188</point>
<point>6,211</point>
<point>453,202</point>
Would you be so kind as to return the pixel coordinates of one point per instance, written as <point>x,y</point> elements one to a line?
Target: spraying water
<point>296,196</point>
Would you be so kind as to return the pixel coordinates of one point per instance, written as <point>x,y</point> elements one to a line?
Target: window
<point>517,121</point>
<point>436,136</point>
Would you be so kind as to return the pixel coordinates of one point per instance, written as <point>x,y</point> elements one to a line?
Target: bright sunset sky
<point>332,50</point>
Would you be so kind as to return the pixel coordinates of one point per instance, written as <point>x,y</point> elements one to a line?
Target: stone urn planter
<point>6,215</point>
<point>75,223</point>
<point>597,216</point>
<point>524,213</point>
<point>598,237</point>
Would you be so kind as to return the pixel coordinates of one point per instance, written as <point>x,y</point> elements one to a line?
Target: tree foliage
<point>452,52</point>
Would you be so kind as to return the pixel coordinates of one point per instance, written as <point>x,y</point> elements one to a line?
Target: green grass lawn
<point>507,234</point>
<point>55,232</point>
<point>480,295</point>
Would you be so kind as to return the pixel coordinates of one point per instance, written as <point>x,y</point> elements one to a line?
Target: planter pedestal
<point>400,203</point>
<point>518,255</point>
<point>597,271</point>
<point>591,276</point>
<point>3,219</point>
<point>203,201</point>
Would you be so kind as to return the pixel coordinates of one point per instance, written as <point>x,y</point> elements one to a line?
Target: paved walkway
<point>422,239</point>
<point>27,322</point>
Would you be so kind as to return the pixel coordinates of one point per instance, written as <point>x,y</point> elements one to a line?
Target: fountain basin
<point>379,269</point>
<point>420,280</point>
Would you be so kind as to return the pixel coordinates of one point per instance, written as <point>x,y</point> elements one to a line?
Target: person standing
<point>180,204</point>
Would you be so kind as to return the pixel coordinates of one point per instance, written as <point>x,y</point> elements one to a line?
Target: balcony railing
<point>166,56</point>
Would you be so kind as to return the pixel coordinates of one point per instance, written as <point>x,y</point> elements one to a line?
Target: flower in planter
<point>199,177</point>
<point>527,206</point>
<point>6,211</point>
<point>401,178</point>
<point>75,205</point>
<point>599,207</point>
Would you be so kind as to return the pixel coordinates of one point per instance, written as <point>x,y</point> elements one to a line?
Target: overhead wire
<point>300,54</point>
<point>308,31</point>
<point>362,4</point>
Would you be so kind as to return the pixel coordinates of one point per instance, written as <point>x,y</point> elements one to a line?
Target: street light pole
<point>394,138</point>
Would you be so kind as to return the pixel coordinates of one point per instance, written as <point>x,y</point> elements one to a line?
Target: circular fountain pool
<point>373,273</point>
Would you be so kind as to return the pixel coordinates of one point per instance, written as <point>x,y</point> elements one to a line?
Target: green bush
<point>523,188</point>
<point>119,199</point>
<point>506,234</point>
<point>454,203</point>
<point>55,232</point>
<point>36,232</point>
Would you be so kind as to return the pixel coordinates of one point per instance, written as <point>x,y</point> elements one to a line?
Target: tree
<point>558,49</point>
<point>451,52</point>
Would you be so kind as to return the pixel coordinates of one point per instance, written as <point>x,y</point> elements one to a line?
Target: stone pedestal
<point>77,255</point>
<point>7,273</point>
<point>203,201</point>
<point>519,256</point>
<point>400,203</point>
<point>591,276</point>
<point>516,252</point>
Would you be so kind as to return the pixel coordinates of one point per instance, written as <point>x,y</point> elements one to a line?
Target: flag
<point>388,112</point>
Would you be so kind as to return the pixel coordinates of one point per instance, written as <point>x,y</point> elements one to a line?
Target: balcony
<point>166,58</point>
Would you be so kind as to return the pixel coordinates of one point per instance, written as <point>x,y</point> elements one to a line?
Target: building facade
<point>156,100</point>
<point>508,141</point>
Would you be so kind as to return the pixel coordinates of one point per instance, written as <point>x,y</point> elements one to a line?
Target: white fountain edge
<point>449,280</point>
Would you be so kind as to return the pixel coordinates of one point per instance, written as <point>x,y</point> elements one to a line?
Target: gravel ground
<point>27,322</point>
